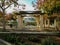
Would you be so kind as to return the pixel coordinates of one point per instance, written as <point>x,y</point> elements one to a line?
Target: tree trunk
<point>4,23</point>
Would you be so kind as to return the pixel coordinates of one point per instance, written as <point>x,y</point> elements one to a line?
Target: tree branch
<point>1,7</point>
<point>3,3</point>
<point>9,5</point>
<point>15,2</point>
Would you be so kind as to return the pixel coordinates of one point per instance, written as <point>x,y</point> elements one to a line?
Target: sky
<point>28,7</point>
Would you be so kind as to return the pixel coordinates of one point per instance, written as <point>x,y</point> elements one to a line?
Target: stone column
<point>45,23</point>
<point>55,23</point>
<point>37,22</point>
<point>20,22</point>
<point>41,23</point>
<point>48,23</point>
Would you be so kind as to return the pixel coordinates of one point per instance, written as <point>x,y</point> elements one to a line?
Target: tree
<point>48,6</point>
<point>45,5</point>
<point>56,7</point>
<point>0,14</point>
<point>4,4</point>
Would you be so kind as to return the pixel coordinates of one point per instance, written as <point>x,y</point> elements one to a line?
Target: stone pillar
<point>45,23</point>
<point>41,23</point>
<point>20,22</point>
<point>48,23</point>
<point>37,22</point>
<point>55,24</point>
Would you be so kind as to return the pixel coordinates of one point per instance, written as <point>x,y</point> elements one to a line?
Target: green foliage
<point>8,37</point>
<point>19,39</point>
<point>51,6</point>
<point>4,4</point>
<point>56,8</point>
<point>34,39</point>
<point>48,41</point>
<point>7,3</point>
<point>30,23</point>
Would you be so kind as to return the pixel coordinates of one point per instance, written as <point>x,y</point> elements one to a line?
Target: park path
<point>2,42</point>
